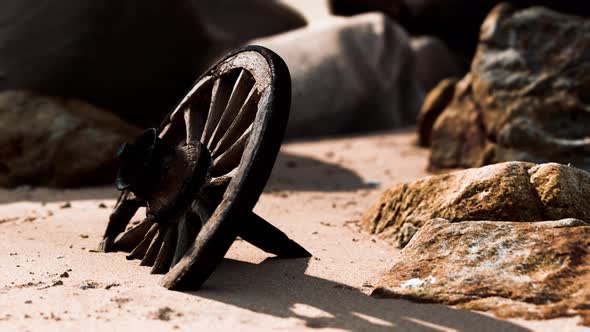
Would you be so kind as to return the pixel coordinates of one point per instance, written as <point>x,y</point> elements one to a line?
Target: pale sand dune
<point>314,202</point>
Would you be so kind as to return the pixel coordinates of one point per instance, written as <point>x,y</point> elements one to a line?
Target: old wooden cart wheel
<point>200,175</point>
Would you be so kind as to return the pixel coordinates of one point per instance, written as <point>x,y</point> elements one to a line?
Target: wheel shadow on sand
<point>291,173</point>
<point>303,173</point>
<point>281,288</point>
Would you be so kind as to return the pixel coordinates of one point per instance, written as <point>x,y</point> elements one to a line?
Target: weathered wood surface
<point>207,168</point>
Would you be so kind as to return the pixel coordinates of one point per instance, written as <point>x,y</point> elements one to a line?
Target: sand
<point>51,279</point>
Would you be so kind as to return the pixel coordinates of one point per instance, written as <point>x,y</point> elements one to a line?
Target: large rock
<point>348,74</point>
<point>354,74</point>
<point>239,21</point>
<point>57,142</point>
<point>526,97</point>
<point>136,58</point>
<point>534,270</point>
<point>511,238</point>
<point>512,191</point>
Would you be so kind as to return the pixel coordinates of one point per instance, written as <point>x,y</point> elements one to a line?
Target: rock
<point>456,22</point>
<point>533,270</point>
<point>348,74</point>
<point>392,8</point>
<point>511,191</point>
<point>456,138</point>
<point>563,191</point>
<point>240,21</point>
<point>135,58</point>
<point>434,61</point>
<point>526,97</point>
<point>403,237</point>
<point>353,74</point>
<point>435,102</point>
<point>57,142</point>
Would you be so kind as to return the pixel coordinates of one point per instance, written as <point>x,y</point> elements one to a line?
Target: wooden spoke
<point>230,159</point>
<point>126,207</point>
<point>203,210</point>
<point>165,131</point>
<point>219,96</point>
<point>240,123</point>
<point>223,180</point>
<point>195,122</point>
<point>195,114</point>
<point>154,249</point>
<point>188,228</point>
<point>131,238</point>
<point>166,253</point>
<point>142,247</point>
<point>240,91</point>
<point>215,188</point>
<point>174,132</point>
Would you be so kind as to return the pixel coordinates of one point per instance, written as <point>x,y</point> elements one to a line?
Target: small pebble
<point>112,285</point>
<point>88,285</point>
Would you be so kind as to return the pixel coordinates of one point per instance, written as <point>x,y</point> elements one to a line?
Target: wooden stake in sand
<point>201,173</point>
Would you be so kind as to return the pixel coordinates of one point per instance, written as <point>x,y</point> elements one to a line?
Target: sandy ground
<point>51,279</point>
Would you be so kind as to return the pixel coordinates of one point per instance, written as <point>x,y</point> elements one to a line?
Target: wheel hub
<point>167,178</point>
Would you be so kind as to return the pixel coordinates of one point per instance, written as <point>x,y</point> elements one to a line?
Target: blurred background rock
<point>136,59</point>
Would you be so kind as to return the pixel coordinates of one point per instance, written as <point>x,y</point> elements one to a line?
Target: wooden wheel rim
<point>215,123</point>
<point>271,75</point>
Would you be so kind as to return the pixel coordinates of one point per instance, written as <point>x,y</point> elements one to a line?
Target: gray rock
<point>352,74</point>
<point>239,21</point>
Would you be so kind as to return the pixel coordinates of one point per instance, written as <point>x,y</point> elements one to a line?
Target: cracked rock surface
<point>511,238</point>
<point>533,270</point>
<point>511,191</point>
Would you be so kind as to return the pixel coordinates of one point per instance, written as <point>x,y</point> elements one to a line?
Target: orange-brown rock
<point>456,138</point>
<point>534,270</point>
<point>435,102</point>
<point>563,191</point>
<point>515,191</point>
